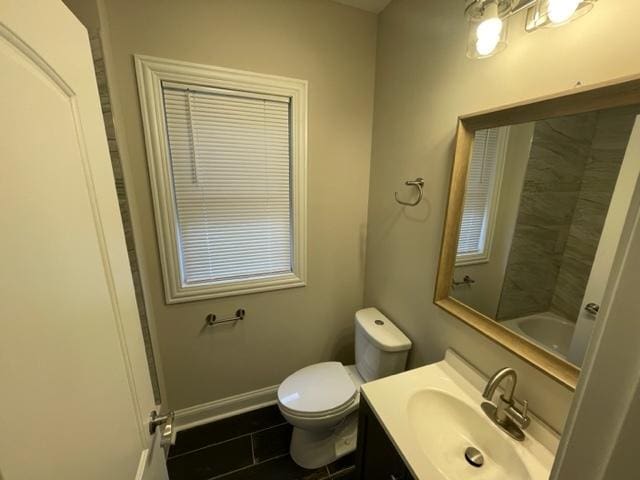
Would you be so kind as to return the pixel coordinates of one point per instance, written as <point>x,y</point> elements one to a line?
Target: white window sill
<point>472,260</point>
<point>190,293</point>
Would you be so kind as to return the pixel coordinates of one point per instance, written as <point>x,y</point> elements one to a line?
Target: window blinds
<point>477,200</point>
<point>230,162</point>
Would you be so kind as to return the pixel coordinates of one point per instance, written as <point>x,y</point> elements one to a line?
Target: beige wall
<point>423,82</point>
<point>331,46</point>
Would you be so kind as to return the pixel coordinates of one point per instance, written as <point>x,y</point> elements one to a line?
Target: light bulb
<point>559,11</point>
<point>488,35</point>
<point>492,27</point>
<point>485,46</point>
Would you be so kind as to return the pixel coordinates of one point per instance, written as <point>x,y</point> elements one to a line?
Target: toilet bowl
<point>321,400</point>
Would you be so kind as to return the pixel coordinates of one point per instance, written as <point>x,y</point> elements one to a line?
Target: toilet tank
<point>381,348</point>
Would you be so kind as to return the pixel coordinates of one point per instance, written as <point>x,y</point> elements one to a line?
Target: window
<point>481,196</point>
<point>227,159</point>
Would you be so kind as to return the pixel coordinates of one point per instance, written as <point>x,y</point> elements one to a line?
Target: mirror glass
<point>543,212</point>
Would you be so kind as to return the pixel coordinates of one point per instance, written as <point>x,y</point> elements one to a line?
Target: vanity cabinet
<point>376,457</point>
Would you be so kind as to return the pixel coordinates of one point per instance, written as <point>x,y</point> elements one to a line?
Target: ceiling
<point>375,6</point>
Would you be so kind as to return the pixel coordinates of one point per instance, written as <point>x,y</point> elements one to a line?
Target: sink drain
<point>474,457</point>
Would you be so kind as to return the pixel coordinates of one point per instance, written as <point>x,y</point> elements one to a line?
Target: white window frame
<point>494,199</point>
<point>151,72</point>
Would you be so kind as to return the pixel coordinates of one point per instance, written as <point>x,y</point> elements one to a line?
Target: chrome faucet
<point>505,414</point>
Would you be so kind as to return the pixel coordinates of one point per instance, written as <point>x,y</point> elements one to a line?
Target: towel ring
<point>419,184</point>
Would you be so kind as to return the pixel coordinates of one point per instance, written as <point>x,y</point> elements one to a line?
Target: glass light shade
<point>553,13</point>
<point>487,34</point>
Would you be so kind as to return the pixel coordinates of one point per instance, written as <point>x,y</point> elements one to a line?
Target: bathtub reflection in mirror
<point>543,212</point>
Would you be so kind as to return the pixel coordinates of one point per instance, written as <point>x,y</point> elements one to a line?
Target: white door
<point>620,208</point>
<point>75,392</point>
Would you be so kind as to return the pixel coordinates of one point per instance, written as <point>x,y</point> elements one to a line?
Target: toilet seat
<point>319,390</point>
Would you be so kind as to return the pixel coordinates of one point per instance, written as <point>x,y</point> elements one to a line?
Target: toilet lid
<point>317,388</point>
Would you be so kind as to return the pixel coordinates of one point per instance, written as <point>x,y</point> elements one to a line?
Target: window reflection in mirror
<point>541,217</point>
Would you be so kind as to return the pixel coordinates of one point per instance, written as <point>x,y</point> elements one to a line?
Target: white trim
<point>151,72</point>
<point>496,188</point>
<point>225,407</point>
<point>142,465</point>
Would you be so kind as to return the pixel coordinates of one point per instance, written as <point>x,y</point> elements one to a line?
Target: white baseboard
<point>225,407</point>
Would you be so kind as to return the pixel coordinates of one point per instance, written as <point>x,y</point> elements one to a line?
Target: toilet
<point>321,400</point>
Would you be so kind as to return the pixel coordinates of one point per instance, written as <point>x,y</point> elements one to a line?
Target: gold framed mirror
<point>538,196</point>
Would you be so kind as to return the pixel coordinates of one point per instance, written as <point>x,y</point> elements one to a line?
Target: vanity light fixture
<point>487,27</point>
<point>488,20</point>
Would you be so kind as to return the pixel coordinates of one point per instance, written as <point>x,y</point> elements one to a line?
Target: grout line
<point>345,469</point>
<point>273,458</point>
<point>253,452</point>
<point>222,475</point>
<point>269,428</point>
<point>223,441</point>
<point>334,475</point>
<point>246,467</point>
<point>208,445</point>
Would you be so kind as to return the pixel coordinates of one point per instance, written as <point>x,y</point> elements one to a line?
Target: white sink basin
<point>446,427</point>
<point>432,414</point>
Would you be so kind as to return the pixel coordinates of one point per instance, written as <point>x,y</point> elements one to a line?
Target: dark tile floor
<point>250,446</point>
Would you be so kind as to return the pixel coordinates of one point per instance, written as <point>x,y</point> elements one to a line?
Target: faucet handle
<point>520,416</point>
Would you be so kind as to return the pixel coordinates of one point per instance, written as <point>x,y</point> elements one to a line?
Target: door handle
<point>158,420</point>
<point>592,308</point>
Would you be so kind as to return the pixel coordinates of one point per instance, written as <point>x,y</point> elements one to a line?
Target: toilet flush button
<point>379,322</point>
